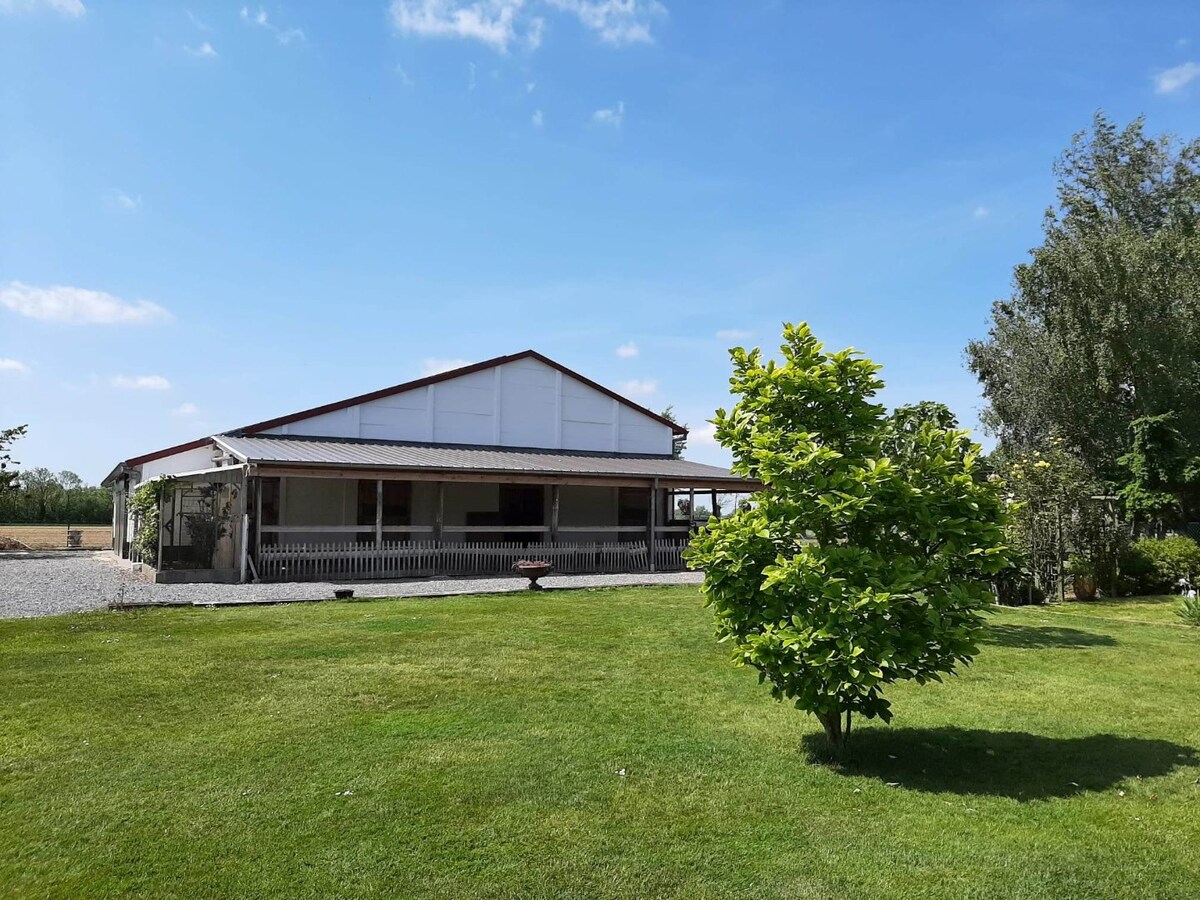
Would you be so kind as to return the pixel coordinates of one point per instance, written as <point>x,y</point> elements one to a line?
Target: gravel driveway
<point>46,584</point>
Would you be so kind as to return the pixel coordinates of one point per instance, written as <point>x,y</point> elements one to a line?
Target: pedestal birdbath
<point>533,570</point>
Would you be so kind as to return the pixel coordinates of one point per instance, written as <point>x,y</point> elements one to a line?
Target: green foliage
<point>1190,611</point>
<point>853,569</point>
<point>145,504</point>
<point>9,436</point>
<point>679,441</point>
<point>1157,565</point>
<point>1102,331</point>
<point>42,496</point>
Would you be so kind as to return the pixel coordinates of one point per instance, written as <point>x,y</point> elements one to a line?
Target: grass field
<point>54,537</point>
<point>471,747</point>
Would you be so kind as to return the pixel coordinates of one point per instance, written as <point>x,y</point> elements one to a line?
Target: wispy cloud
<point>13,365</point>
<point>980,212</point>
<point>185,410</point>
<point>405,78</point>
<point>140,382</point>
<point>124,200</point>
<point>613,116</point>
<point>204,51</point>
<point>625,351</point>
<point>1171,80</point>
<point>615,21</point>
<point>733,334</point>
<point>639,387</point>
<point>262,20</point>
<point>492,22</point>
<point>77,306</point>
<point>437,366</point>
<point>501,24</point>
<point>72,9</point>
<point>197,21</point>
<point>705,434</point>
<point>537,118</point>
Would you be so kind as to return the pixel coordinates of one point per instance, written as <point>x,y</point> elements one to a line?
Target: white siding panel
<point>528,405</point>
<point>461,428</point>
<point>340,423</point>
<point>640,434</point>
<point>587,436</point>
<point>187,461</point>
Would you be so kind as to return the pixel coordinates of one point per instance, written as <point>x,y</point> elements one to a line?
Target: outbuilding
<point>462,472</point>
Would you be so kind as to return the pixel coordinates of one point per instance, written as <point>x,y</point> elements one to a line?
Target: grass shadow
<point>1042,637</point>
<point>1002,763</point>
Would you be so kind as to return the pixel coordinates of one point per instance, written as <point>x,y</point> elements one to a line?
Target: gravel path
<point>46,584</point>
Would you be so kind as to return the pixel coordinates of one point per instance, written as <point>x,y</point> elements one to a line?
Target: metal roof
<point>352,453</point>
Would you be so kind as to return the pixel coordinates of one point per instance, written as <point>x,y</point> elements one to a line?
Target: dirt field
<point>54,537</point>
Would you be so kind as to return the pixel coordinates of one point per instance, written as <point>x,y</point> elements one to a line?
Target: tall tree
<point>1103,326</point>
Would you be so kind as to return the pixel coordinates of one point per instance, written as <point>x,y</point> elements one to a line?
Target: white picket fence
<point>410,559</point>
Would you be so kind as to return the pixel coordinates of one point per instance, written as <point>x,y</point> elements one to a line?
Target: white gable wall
<point>525,403</point>
<point>186,461</point>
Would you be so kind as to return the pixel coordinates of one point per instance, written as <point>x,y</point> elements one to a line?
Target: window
<point>633,506</point>
<point>397,503</point>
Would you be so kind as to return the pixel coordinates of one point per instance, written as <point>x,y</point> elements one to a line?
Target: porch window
<point>397,503</point>
<point>633,506</point>
<point>270,507</point>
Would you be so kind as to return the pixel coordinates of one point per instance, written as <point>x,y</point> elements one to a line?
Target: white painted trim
<point>558,409</point>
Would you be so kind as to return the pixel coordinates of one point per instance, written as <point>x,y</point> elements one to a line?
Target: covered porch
<point>313,525</point>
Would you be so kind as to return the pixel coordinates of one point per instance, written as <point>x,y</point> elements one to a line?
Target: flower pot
<point>533,571</point>
<point>343,594</point>
<point>1085,587</point>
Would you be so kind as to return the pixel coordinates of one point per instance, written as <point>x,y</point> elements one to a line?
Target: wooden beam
<point>555,496</point>
<point>650,532</point>
<point>378,525</point>
<point>439,516</point>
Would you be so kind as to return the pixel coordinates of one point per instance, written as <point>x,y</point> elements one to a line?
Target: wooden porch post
<point>691,508</point>
<point>438,522</point>
<point>555,491</point>
<point>378,526</point>
<point>653,522</point>
<point>258,521</point>
<point>714,509</point>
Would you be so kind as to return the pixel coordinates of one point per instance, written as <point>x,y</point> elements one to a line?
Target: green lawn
<point>207,753</point>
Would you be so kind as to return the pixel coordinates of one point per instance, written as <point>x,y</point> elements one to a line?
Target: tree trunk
<point>836,732</point>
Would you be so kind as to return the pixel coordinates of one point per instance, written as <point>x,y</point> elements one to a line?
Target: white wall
<point>187,461</point>
<point>525,403</point>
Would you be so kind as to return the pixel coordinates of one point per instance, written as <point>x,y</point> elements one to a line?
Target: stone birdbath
<point>532,569</point>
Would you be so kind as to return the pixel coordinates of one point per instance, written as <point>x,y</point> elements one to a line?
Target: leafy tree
<point>9,436</point>
<point>1103,326</point>
<point>851,570</point>
<point>679,441</point>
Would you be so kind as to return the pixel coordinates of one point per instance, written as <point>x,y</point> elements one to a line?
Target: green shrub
<point>1190,612</point>
<point>1156,565</point>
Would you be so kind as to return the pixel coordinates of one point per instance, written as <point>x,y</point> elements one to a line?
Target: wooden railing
<point>410,559</point>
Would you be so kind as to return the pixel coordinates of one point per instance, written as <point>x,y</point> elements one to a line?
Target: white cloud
<point>627,350</point>
<point>614,116</point>
<point>140,382</point>
<point>537,118</point>
<point>980,212</point>
<point>470,76</point>
<point>185,409</point>
<point>124,201</point>
<point>77,306</point>
<point>502,23</point>
<point>1171,80</point>
<point>733,334</point>
<point>262,20</point>
<point>405,78</point>
<point>706,434</point>
<point>493,22</point>
<point>12,365</point>
<point>71,8</point>
<point>197,21</point>
<point>639,387</point>
<point>615,21</point>
<point>437,366</point>
<point>204,51</point>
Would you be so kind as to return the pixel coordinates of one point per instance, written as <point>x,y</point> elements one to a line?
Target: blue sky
<point>211,214</point>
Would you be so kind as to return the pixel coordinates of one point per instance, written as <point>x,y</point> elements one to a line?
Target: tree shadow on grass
<point>1002,763</point>
<point>1042,637</point>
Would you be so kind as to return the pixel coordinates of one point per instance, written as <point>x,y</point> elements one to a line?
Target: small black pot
<point>343,594</point>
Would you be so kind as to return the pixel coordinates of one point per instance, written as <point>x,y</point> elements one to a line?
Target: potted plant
<point>533,569</point>
<point>1085,580</point>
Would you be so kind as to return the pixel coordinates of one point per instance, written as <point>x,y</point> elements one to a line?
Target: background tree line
<point>39,496</point>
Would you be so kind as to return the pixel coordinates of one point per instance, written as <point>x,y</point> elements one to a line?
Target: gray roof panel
<point>347,452</point>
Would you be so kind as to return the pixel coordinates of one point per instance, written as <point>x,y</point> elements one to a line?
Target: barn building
<point>463,472</point>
